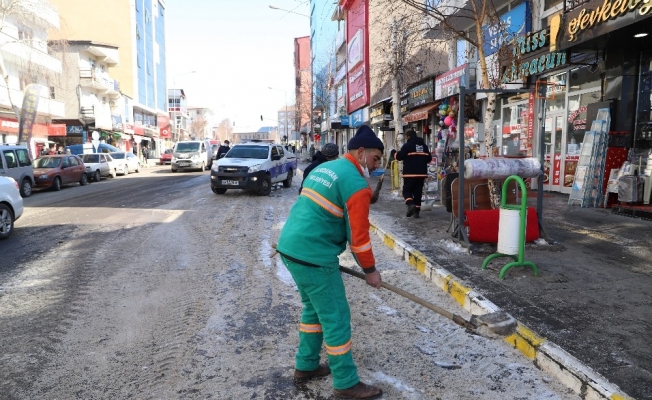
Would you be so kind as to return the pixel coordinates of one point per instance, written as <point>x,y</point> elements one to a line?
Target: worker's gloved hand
<point>373,279</point>
<point>392,154</point>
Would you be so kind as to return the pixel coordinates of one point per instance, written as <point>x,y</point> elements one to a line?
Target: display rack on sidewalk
<point>587,190</point>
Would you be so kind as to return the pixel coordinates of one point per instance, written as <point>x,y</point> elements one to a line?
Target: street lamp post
<point>285,118</point>
<point>288,11</point>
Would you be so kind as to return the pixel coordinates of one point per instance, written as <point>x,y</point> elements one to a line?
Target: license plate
<point>230,183</point>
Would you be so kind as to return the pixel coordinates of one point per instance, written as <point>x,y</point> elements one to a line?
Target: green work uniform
<point>333,209</point>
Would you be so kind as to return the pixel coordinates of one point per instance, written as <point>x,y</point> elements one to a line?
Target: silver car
<point>11,206</point>
<point>99,165</point>
<point>15,163</point>
<point>125,162</point>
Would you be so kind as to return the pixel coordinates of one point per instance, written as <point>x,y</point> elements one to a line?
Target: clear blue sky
<point>238,49</point>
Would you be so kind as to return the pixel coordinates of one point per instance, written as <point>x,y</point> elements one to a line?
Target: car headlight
<point>215,167</point>
<point>174,159</point>
<point>44,176</point>
<point>255,168</point>
<point>195,157</point>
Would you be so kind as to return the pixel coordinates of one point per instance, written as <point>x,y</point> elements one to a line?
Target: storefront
<point>380,117</point>
<point>422,105</point>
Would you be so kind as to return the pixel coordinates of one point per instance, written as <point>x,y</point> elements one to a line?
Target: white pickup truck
<point>253,166</point>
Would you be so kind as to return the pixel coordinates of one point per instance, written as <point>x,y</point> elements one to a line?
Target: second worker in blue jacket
<point>416,157</point>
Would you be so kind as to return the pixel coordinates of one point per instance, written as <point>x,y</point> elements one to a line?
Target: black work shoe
<point>359,391</point>
<point>305,376</point>
<point>416,213</point>
<point>410,210</point>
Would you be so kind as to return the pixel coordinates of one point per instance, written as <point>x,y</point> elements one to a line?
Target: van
<point>191,154</point>
<point>78,149</point>
<point>16,163</point>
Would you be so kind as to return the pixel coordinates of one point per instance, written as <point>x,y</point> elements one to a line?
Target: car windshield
<point>46,162</point>
<point>118,156</point>
<point>248,152</point>
<point>187,147</point>
<point>168,151</point>
<point>91,158</point>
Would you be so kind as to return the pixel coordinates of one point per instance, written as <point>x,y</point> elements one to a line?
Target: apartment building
<point>24,49</point>
<point>137,28</point>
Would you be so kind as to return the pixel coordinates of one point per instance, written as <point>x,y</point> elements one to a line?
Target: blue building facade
<point>150,49</point>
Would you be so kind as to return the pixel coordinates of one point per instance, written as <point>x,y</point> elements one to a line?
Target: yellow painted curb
<point>458,291</point>
<point>525,340</point>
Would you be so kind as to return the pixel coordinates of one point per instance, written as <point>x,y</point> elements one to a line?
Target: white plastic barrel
<point>509,231</point>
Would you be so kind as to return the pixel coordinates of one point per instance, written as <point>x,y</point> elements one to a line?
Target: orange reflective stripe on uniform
<point>361,248</point>
<point>310,328</point>
<point>339,350</point>
<point>415,175</point>
<point>419,154</point>
<point>323,202</point>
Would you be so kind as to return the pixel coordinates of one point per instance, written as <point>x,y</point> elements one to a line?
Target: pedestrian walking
<point>328,153</point>
<point>223,149</point>
<point>415,156</point>
<point>333,209</point>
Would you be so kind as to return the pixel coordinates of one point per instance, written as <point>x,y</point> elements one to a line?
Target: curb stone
<point>547,356</point>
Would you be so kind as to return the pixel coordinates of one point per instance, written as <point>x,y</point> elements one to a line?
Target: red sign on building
<point>357,32</point>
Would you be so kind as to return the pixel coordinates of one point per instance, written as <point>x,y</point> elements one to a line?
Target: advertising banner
<point>28,112</point>
<point>448,84</point>
<point>512,24</point>
<point>357,55</point>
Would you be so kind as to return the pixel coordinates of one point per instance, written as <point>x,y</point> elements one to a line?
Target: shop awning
<point>419,113</point>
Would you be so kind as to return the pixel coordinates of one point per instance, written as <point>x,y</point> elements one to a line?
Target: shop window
<point>583,78</point>
<point>513,136</point>
<point>644,111</point>
<point>577,122</point>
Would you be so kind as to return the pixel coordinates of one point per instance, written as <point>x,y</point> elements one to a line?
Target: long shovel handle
<point>453,317</point>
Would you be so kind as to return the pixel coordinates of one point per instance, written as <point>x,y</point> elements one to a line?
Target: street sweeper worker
<point>415,156</point>
<point>333,209</point>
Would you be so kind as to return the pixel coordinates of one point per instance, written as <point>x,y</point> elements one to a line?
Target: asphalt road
<point>151,286</point>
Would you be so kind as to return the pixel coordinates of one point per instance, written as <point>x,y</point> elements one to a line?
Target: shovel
<point>492,325</point>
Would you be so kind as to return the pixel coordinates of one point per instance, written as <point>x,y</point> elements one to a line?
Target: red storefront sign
<point>530,125</point>
<point>57,130</point>
<point>163,122</point>
<point>357,54</point>
<point>10,125</point>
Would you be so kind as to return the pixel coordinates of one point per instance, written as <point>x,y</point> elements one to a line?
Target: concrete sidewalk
<point>591,297</point>
<point>585,318</point>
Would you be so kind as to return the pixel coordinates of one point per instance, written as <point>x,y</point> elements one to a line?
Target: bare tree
<point>479,13</point>
<point>225,130</point>
<point>198,127</point>
<point>401,45</point>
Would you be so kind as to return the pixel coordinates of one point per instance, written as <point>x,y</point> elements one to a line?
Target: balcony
<point>22,52</point>
<point>100,82</point>
<point>46,106</point>
<point>42,10</point>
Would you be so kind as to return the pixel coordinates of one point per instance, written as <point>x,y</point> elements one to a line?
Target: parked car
<point>56,170</point>
<point>166,157</point>
<point>191,154</point>
<point>78,149</point>
<point>15,163</point>
<point>99,165</point>
<point>126,162</point>
<point>11,205</point>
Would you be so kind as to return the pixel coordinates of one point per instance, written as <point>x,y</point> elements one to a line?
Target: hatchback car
<point>126,162</point>
<point>53,171</point>
<point>11,205</point>
<point>16,163</point>
<point>166,157</point>
<point>99,165</point>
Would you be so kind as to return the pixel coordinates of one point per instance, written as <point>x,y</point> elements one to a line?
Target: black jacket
<point>416,157</point>
<point>222,150</point>
<point>317,159</point>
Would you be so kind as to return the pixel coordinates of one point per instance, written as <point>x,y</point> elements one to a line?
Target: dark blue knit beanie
<point>365,137</point>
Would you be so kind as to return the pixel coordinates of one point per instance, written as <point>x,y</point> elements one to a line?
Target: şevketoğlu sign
<point>602,16</point>
<point>525,45</point>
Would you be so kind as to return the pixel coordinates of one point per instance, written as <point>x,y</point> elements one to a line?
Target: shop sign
<point>421,94</point>
<point>7,125</point>
<point>405,102</point>
<point>357,54</point>
<point>532,44</point>
<point>578,124</point>
<point>344,120</point>
<point>530,126</point>
<point>74,129</point>
<point>356,118</point>
<point>512,24</point>
<point>340,74</point>
<point>376,111</point>
<point>598,17</point>
<point>129,128</point>
<point>116,122</point>
<point>448,84</point>
<point>354,50</point>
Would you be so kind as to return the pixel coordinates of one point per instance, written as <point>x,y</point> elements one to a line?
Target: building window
<point>137,32</point>
<point>52,94</point>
